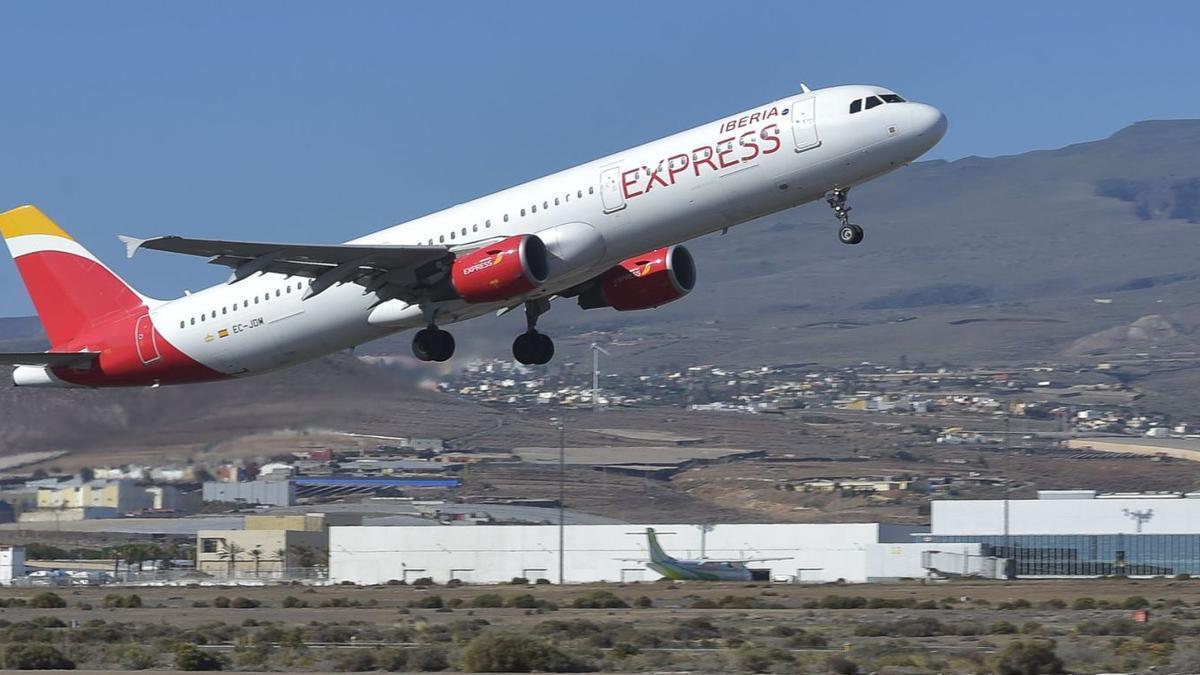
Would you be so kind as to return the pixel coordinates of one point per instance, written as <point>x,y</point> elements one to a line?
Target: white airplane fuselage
<point>769,158</point>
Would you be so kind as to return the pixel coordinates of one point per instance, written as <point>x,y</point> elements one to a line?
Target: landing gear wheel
<point>533,348</point>
<point>433,344</point>
<point>850,234</point>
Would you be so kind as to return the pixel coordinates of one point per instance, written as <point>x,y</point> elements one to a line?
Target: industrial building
<point>265,492</point>
<point>805,553</point>
<point>269,546</point>
<point>1079,532</point>
<point>12,564</point>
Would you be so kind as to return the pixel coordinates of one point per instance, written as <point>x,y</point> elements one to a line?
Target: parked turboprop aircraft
<point>607,233</point>
<point>696,570</point>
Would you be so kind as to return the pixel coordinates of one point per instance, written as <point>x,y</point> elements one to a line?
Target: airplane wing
<point>70,359</point>
<point>372,265</point>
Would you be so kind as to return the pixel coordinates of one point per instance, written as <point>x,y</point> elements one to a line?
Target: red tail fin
<point>71,289</point>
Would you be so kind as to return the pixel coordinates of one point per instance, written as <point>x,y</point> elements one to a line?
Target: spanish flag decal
<point>224,332</point>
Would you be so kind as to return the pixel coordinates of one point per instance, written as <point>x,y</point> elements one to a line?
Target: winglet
<point>132,244</point>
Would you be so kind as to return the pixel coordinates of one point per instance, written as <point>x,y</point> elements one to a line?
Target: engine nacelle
<point>644,281</point>
<point>502,270</point>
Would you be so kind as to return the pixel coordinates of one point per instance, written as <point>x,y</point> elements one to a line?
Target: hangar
<point>803,553</point>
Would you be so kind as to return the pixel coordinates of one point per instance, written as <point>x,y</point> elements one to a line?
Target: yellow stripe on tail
<point>28,219</point>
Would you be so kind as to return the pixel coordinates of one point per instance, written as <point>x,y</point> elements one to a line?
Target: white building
<point>1079,532</point>
<point>12,564</point>
<point>855,552</point>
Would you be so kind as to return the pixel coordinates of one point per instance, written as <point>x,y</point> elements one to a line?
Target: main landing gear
<point>848,233</point>
<point>532,347</point>
<point>433,344</point>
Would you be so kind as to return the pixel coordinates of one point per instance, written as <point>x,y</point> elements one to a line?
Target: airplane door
<point>804,124</point>
<point>147,347</point>
<point>610,189</point>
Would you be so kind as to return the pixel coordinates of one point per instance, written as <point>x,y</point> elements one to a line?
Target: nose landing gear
<point>848,233</point>
<point>532,347</point>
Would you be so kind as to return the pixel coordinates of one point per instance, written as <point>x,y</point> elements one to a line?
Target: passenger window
<point>464,232</point>
<point>224,310</point>
<point>873,101</point>
<point>506,217</point>
<point>591,190</point>
<point>441,238</point>
<point>245,303</point>
<point>534,208</point>
<point>256,299</point>
<point>568,197</point>
<point>289,289</point>
<point>193,320</point>
<point>579,194</point>
<point>181,324</point>
<point>545,205</point>
<point>556,201</point>
<point>451,235</point>
<point>214,314</point>
<point>202,317</point>
<point>475,228</point>
<point>487,223</point>
<point>856,106</point>
<point>522,213</point>
<point>277,293</point>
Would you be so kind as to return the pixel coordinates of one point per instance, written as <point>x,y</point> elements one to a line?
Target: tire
<point>523,349</point>
<point>545,349</point>
<point>850,234</point>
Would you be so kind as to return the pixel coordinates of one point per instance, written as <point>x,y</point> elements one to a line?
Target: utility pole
<point>562,465</point>
<point>596,351</point>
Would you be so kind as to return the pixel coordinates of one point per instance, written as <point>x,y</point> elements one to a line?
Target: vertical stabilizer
<point>657,554</point>
<point>71,290</point>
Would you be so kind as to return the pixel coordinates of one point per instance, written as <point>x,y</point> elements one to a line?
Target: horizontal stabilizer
<point>52,359</point>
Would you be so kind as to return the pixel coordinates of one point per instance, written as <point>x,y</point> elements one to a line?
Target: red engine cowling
<point>645,281</point>
<point>502,270</point>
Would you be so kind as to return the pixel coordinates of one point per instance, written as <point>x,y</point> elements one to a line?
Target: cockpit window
<point>891,98</point>
<point>873,101</point>
<point>855,106</point>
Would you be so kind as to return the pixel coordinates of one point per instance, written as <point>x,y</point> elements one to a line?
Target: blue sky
<point>303,121</point>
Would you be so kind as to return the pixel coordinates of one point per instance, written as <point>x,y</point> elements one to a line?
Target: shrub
<point>1135,602</point>
<point>427,602</point>
<point>1026,658</point>
<point>1084,603</point>
<point>354,661</point>
<point>423,581</point>
<point>842,665</point>
<point>392,659</point>
<point>487,600</point>
<point>1055,603</point>
<point>427,659</point>
<point>704,603</point>
<point>1002,627</point>
<point>292,601</point>
<point>47,600</point>
<point>599,600</point>
<point>136,657</point>
<point>806,640</point>
<point>36,657</point>
<point>1161,632</point>
<point>221,601</point>
<point>752,659</point>
<point>48,622</point>
<point>241,602</point>
<point>643,601</point>
<point>191,657</point>
<point>523,601</point>
<point>542,581</point>
<point>519,581</point>
<point>697,628</point>
<point>513,653</point>
<point>454,583</point>
<point>393,582</point>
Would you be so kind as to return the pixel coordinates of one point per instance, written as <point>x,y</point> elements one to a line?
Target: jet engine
<point>500,271</point>
<point>643,281</point>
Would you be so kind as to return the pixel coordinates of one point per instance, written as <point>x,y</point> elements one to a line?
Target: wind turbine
<point>596,351</point>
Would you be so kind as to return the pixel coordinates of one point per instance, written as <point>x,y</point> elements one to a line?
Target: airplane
<point>694,570</point>
<point>607,233</point>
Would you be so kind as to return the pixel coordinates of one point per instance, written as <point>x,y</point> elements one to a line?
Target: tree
<point>230,552</point>
<point>281,556</point>
<point>256,554</point>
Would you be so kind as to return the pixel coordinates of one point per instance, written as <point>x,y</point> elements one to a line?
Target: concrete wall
<point>12,563</point>
<point>490,554</point>
<point>1066,516</point>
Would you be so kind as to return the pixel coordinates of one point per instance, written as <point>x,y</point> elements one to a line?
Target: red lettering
<point>770,113</point>
<point>754,118</point>
<point>707,159</point>
<point>655,177</point>
<point>671,170</point>
<point>743,122</point>
<point>747,141</point>
<point>626,183</point>
<point>725,147</point>
<point>772,137</point>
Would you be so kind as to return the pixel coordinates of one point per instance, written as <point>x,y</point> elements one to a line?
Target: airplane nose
<point>928,122</point>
